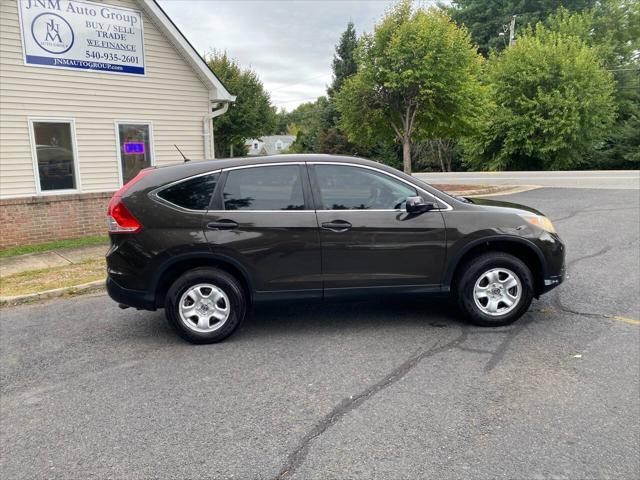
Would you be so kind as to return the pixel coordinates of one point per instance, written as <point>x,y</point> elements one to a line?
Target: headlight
<point>540,221</point>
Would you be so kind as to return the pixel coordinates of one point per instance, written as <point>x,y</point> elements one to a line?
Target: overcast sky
<point>290,44</point>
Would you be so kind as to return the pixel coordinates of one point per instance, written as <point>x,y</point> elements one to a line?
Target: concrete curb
<point>95,286</point>
<point>59,257</point>
<point>487,192</point>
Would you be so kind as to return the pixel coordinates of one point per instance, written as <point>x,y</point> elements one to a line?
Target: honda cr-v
<point>206,240</point>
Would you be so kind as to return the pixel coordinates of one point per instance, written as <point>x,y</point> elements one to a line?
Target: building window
<point>134,147</point>
<point>255,145</point>
<point>54,154</point>
<point>278,145</point>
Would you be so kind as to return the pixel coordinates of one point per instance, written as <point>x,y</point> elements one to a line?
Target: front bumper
<point>553,281</point>
<point>132,298</point>
<point>556,268</point>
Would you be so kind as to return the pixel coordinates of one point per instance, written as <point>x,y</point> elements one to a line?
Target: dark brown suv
<point>204,240</point>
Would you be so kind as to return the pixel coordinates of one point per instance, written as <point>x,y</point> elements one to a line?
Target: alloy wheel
<point>204,308</point>
<point>497,292</point>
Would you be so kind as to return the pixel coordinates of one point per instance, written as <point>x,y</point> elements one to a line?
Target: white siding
<point>171,96</point>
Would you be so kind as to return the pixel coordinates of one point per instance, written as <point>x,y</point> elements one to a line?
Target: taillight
<point>119,218</point>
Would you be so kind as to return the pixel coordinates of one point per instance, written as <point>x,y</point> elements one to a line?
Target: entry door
<point>367,237</point>
<point>135,148</point>
<point>267,224</point>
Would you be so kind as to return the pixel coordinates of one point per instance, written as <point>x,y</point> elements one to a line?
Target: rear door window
<point>277,187</point>
<point>193,194</point>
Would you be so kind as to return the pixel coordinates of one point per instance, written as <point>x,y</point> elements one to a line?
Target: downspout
<point>207,129</point>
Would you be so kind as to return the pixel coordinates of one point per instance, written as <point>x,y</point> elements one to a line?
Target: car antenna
<point>183,155</point>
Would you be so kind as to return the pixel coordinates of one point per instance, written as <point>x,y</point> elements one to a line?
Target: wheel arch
<point>520,248</point>
<point>180,264</point>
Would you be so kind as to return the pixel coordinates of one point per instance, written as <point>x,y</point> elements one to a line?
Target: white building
<point>90,93</point>
<point>269,145</point>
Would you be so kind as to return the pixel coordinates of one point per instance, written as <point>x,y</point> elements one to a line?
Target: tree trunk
<point>406,155</point>
<point>449,156</point>
<point>439,149</point>
<point>231,150</point>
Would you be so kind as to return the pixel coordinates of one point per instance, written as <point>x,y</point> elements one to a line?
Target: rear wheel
<point>205,305</point>
<point>495,289</point>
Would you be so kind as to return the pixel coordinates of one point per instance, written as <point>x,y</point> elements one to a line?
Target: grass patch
<point>57,277</point>
<point>46,247</point>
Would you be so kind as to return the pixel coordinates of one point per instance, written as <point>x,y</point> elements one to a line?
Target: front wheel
<point>205,305</point>
<point>495,289</point>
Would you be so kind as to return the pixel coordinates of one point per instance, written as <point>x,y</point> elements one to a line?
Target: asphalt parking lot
<point>351,390</point>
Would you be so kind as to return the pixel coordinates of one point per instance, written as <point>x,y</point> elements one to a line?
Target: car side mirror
<point>418,205</point>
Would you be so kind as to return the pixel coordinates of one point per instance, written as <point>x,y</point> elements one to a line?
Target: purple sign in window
<point>134,148</point>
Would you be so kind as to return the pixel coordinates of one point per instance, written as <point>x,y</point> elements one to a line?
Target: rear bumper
<point>133,298</point>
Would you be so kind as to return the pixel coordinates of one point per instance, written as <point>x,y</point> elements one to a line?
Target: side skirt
<point>350,293</point>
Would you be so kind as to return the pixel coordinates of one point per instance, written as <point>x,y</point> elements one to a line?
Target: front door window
<point>351,188</point>
<point>135,149</point>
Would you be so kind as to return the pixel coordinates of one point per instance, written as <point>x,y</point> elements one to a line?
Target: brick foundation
<point>42,219</point>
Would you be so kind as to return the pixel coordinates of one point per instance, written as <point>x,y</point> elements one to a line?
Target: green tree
<point>334,142</point>
<point>332,139</point>
<point>612,28</point>
<point>251,115</point>
<point>436,155</point>
<point>310,120</point>
<point>553,102</point>
<point>315,124</point>
<point>344,62</point>
<point>417,79</point>
<point>283,122</point>
<point>486,19</point>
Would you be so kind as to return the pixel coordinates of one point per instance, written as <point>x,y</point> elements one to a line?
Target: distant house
<point>269,145</point>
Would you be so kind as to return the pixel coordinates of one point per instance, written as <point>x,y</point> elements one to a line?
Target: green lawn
<point>45,247</point>
<point>35,281</point>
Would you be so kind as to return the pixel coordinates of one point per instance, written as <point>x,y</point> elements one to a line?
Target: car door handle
<point>222,225</point>
<point>337,226</point>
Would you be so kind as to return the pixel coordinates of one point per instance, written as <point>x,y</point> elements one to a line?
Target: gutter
<point>207,129</point>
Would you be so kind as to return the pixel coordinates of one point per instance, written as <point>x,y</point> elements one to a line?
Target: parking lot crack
<point>296,458</point>
<point>589,211</point>
<point>500,352</point>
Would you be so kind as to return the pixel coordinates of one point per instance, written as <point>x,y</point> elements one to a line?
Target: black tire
<point>218,278</point>
<point>470,274</point>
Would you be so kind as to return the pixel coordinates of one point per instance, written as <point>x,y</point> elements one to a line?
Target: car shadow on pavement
<point>298,319</point>
<point>308,319</point>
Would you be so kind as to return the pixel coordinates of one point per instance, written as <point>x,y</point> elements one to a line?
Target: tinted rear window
<point>264,188</point>
<point>194,194</point>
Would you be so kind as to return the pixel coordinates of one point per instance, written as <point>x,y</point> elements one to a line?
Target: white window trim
<point>117,124</point>
<point>34,155</point>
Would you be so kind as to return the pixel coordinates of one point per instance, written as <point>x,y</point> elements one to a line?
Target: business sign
<point>82,35</point>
